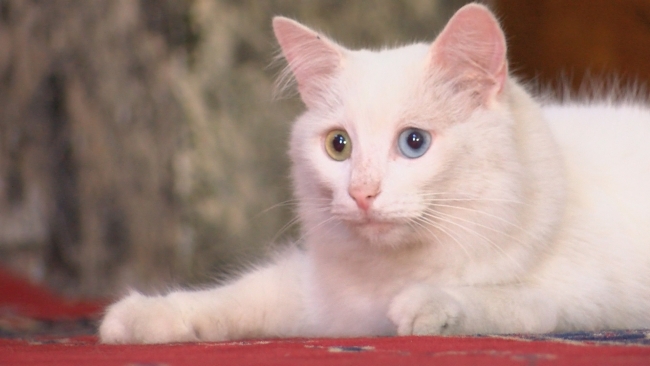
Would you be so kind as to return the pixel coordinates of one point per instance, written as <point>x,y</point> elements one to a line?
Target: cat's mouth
<point>371,222</point>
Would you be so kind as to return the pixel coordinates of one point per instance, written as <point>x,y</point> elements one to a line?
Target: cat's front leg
<point>427,310</point>
<point>266,302</point>
<point>424,309</point>
<point>156,319</point>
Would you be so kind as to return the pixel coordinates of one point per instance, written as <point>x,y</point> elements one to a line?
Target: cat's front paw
<point>142,319</point>
<point>426,310</point>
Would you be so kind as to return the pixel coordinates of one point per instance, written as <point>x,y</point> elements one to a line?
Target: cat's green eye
<point>338,145</point>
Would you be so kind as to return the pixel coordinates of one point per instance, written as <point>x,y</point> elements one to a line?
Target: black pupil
<point>415,140</point>
<point>338,143</point>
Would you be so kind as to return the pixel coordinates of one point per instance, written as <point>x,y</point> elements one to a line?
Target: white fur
<point>519,218</point>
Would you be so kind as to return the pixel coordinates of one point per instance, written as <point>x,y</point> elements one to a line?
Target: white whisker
<point>473,232</point>
<point>478,224</point>
<point>294,202</point>
<point>428,199</point>
<point>285,227</point>
<point>313,228</point>
<point>317,205</point>
<point>416,225</point>
<point>444,231</point>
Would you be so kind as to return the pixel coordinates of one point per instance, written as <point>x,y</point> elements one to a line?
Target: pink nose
<point>363,196</point>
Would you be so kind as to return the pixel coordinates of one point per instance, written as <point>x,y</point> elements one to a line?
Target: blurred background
<point>141,144</point>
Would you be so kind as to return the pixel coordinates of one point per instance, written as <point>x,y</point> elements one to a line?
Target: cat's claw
<point>142,319</point>
<point>421,310</point>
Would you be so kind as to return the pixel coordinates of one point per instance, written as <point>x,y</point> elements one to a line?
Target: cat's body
<point>436,196</point>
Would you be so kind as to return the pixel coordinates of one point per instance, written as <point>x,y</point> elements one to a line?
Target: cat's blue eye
<point>413,142</point>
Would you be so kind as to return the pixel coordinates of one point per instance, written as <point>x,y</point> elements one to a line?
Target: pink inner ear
<point>472,44</point>
<point>312,58</point>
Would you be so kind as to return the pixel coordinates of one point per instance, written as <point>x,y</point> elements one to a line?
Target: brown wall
<point>548,38</point>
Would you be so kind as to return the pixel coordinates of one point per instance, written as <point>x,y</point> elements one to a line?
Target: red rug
<point>39,328</point>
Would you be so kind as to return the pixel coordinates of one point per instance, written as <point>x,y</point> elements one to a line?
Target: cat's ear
<point>472,49</point>
<point>313,59</point>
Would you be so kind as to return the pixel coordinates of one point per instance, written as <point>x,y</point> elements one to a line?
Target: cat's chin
<point>382,233</point>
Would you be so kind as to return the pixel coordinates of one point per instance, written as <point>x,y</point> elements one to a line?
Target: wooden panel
<point>601,37</point>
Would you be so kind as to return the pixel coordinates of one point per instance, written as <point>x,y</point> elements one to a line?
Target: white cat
<point>435,197</point>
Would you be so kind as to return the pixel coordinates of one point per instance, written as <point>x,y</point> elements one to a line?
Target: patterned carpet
<point>14,325</point>
<point>17,326</point>
<point>639,337</point>
<point>39,328</point>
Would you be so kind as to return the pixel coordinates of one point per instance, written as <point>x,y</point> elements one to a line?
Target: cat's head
<point>393,140</point>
